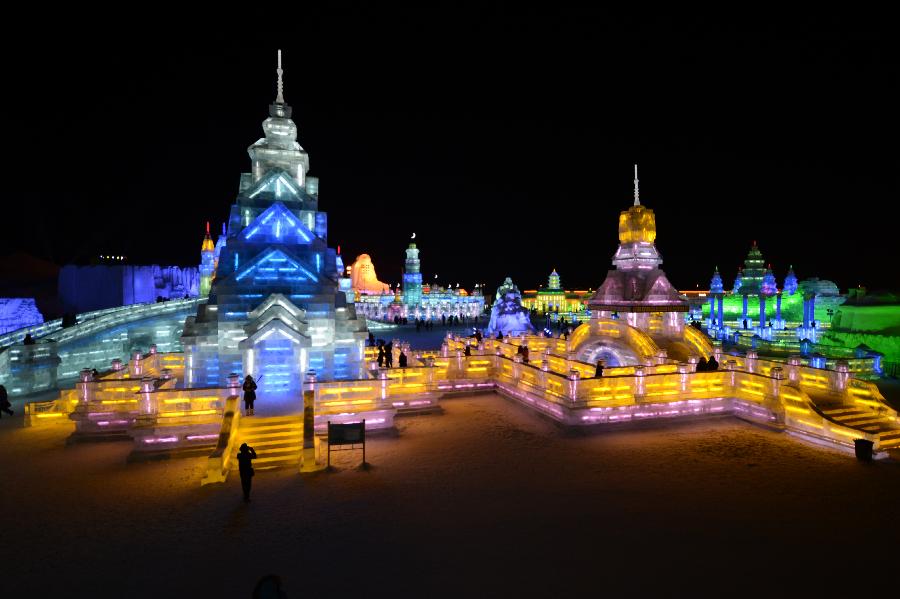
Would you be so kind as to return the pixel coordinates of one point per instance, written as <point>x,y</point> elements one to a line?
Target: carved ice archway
<point>613,341</point>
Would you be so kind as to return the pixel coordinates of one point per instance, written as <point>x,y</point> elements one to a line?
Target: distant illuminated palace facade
<point>553,298</point>
<point>376,301</point>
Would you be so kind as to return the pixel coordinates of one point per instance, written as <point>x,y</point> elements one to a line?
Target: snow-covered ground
<point>486,499</point>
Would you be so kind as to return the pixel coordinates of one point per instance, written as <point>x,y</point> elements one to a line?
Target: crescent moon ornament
<point>414,236</point>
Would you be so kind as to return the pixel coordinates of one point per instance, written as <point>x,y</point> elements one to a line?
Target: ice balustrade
<point>90,322</point>
<point>219,462</point>
<point>112,393</point>
<point>90,344</point>
<point>864,365</point>
<point>762,390</point>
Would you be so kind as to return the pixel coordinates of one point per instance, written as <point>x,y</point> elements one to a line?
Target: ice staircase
<point>278,440</point>
<point>860,417</point>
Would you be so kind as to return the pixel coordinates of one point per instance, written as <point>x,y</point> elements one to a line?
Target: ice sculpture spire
<point>637,194</point>
<point>280,97</point>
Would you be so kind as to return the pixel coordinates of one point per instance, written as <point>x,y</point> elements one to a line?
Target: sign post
<point>352,434</point>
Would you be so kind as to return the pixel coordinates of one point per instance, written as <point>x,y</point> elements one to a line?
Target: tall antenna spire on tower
<point>637,194</point>
<point>280,98</point>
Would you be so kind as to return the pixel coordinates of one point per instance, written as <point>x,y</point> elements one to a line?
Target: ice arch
<point>613,341</point>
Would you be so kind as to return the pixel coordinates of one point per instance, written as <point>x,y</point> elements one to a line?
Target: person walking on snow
<point>245,467</point>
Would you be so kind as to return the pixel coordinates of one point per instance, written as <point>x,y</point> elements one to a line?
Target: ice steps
<point>277,440</point>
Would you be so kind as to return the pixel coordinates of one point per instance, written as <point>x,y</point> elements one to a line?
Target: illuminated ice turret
<point>754,270</point>
<point>636,299</point>
<point>637,291</point>
<point>790,282</point>
<point>738,281</point>
<point>716,294</point>
<point>508,316</point>
<point>769,286</point>
<point>715,284</point>
<point>751,284</point>
<point>553,280</point>
<point>412,277</point>
<point>275,309</point>
<point>637,232</point>
<point>207,262</point>
<point>279,147</point>
<point>637,284</point>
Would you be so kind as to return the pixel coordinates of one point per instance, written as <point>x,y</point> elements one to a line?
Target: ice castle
<point>275,309</point>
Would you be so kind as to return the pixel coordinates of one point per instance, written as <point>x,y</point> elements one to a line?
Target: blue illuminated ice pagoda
<point>275,309</point>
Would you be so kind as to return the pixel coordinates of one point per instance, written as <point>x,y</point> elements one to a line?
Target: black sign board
<point>353,433</point>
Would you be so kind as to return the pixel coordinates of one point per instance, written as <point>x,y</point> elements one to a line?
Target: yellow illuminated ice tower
<point>637,232</point>
<point>638,292</point>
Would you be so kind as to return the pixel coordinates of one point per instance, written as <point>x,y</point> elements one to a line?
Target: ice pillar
<point>712,309</point>
<point>309,457</point>
<point>762,311</point>
<point>744,311</point>
<point>778,307</point>
<point>721,311</point>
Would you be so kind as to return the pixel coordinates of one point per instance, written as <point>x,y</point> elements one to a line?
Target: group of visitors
<point>385,357</point>
<point>385,354</point>
<point>523,351</point>
<point>704,365</point>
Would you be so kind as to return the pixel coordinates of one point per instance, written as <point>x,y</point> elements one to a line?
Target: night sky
<point>505,141</point>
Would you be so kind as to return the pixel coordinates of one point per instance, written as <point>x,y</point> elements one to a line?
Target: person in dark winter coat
<point>5,405</point>
<point>402,359</point>
<point>245,466</point>
<point>249,395</point>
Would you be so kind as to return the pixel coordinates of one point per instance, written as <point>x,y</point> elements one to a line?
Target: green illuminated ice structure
<point>275,309</point>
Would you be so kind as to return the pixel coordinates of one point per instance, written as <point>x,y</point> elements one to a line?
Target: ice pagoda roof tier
<point>277,224</point>
<point>637,291</point>
<point>281,315</point>
<point>279,147</point>
<point>276,185</point>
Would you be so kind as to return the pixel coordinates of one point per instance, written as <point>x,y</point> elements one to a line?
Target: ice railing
<point>145,386</point>
<point>219,462</point>
<point>91,322</point>
<point>819,353</point>
<point>765,388</point>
